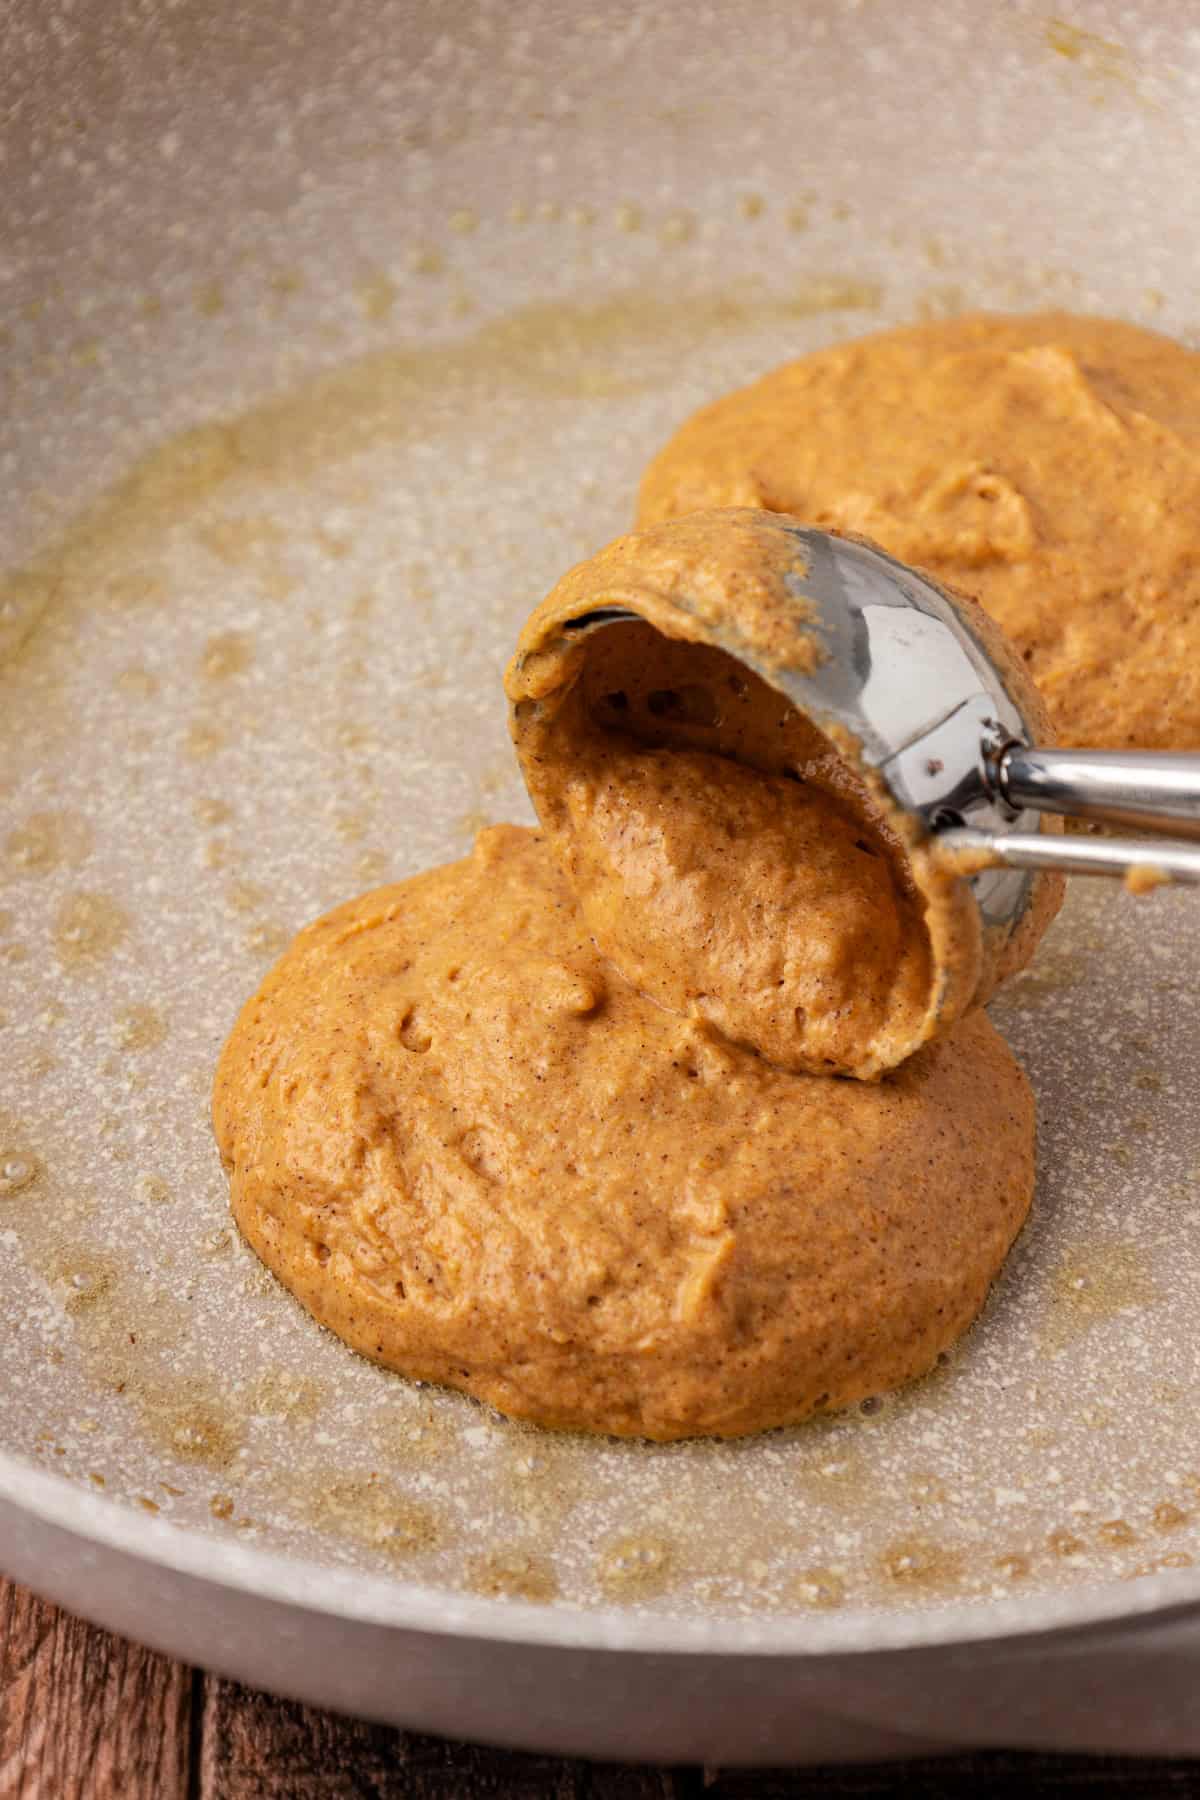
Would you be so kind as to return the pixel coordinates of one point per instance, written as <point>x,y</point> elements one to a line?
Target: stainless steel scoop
<point>906,677</point>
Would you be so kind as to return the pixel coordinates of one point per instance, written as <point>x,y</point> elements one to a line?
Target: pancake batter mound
<point>1047,464</point>
<point>475,1152</point>
<point>724,857</point>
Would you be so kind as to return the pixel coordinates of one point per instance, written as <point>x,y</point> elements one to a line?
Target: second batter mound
<point>1048,465</point>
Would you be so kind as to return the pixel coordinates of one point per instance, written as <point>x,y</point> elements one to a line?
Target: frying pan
<point>331,335</point>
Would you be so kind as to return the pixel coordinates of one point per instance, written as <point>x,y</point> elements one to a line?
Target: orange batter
<point>1048,465</point>
<point>542,1125</point>
<point>476,1153</point>
<point>725,858</point>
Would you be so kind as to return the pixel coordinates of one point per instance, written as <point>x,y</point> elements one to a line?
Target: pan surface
<point>330,338</point>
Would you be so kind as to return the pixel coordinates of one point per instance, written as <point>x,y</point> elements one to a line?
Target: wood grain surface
<point>87,1716</point>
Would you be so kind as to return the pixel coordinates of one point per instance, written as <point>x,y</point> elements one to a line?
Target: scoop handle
<point>1144,862</point>
<point>1151,789</point>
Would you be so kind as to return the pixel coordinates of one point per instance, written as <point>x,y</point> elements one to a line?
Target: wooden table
<point>87,1716</point>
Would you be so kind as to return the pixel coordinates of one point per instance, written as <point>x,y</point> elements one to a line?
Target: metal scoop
<point>906,677</point>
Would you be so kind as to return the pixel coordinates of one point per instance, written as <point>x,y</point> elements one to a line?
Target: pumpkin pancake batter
<point>1047,464</point>
<point>725,858</point>
<point>764,904</point>
<point>480,1156</point>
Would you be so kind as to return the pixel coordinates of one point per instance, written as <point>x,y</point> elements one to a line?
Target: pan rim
<point>382,1601</point>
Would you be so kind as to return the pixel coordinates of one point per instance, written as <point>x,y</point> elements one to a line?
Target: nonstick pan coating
<point>330,337</point>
